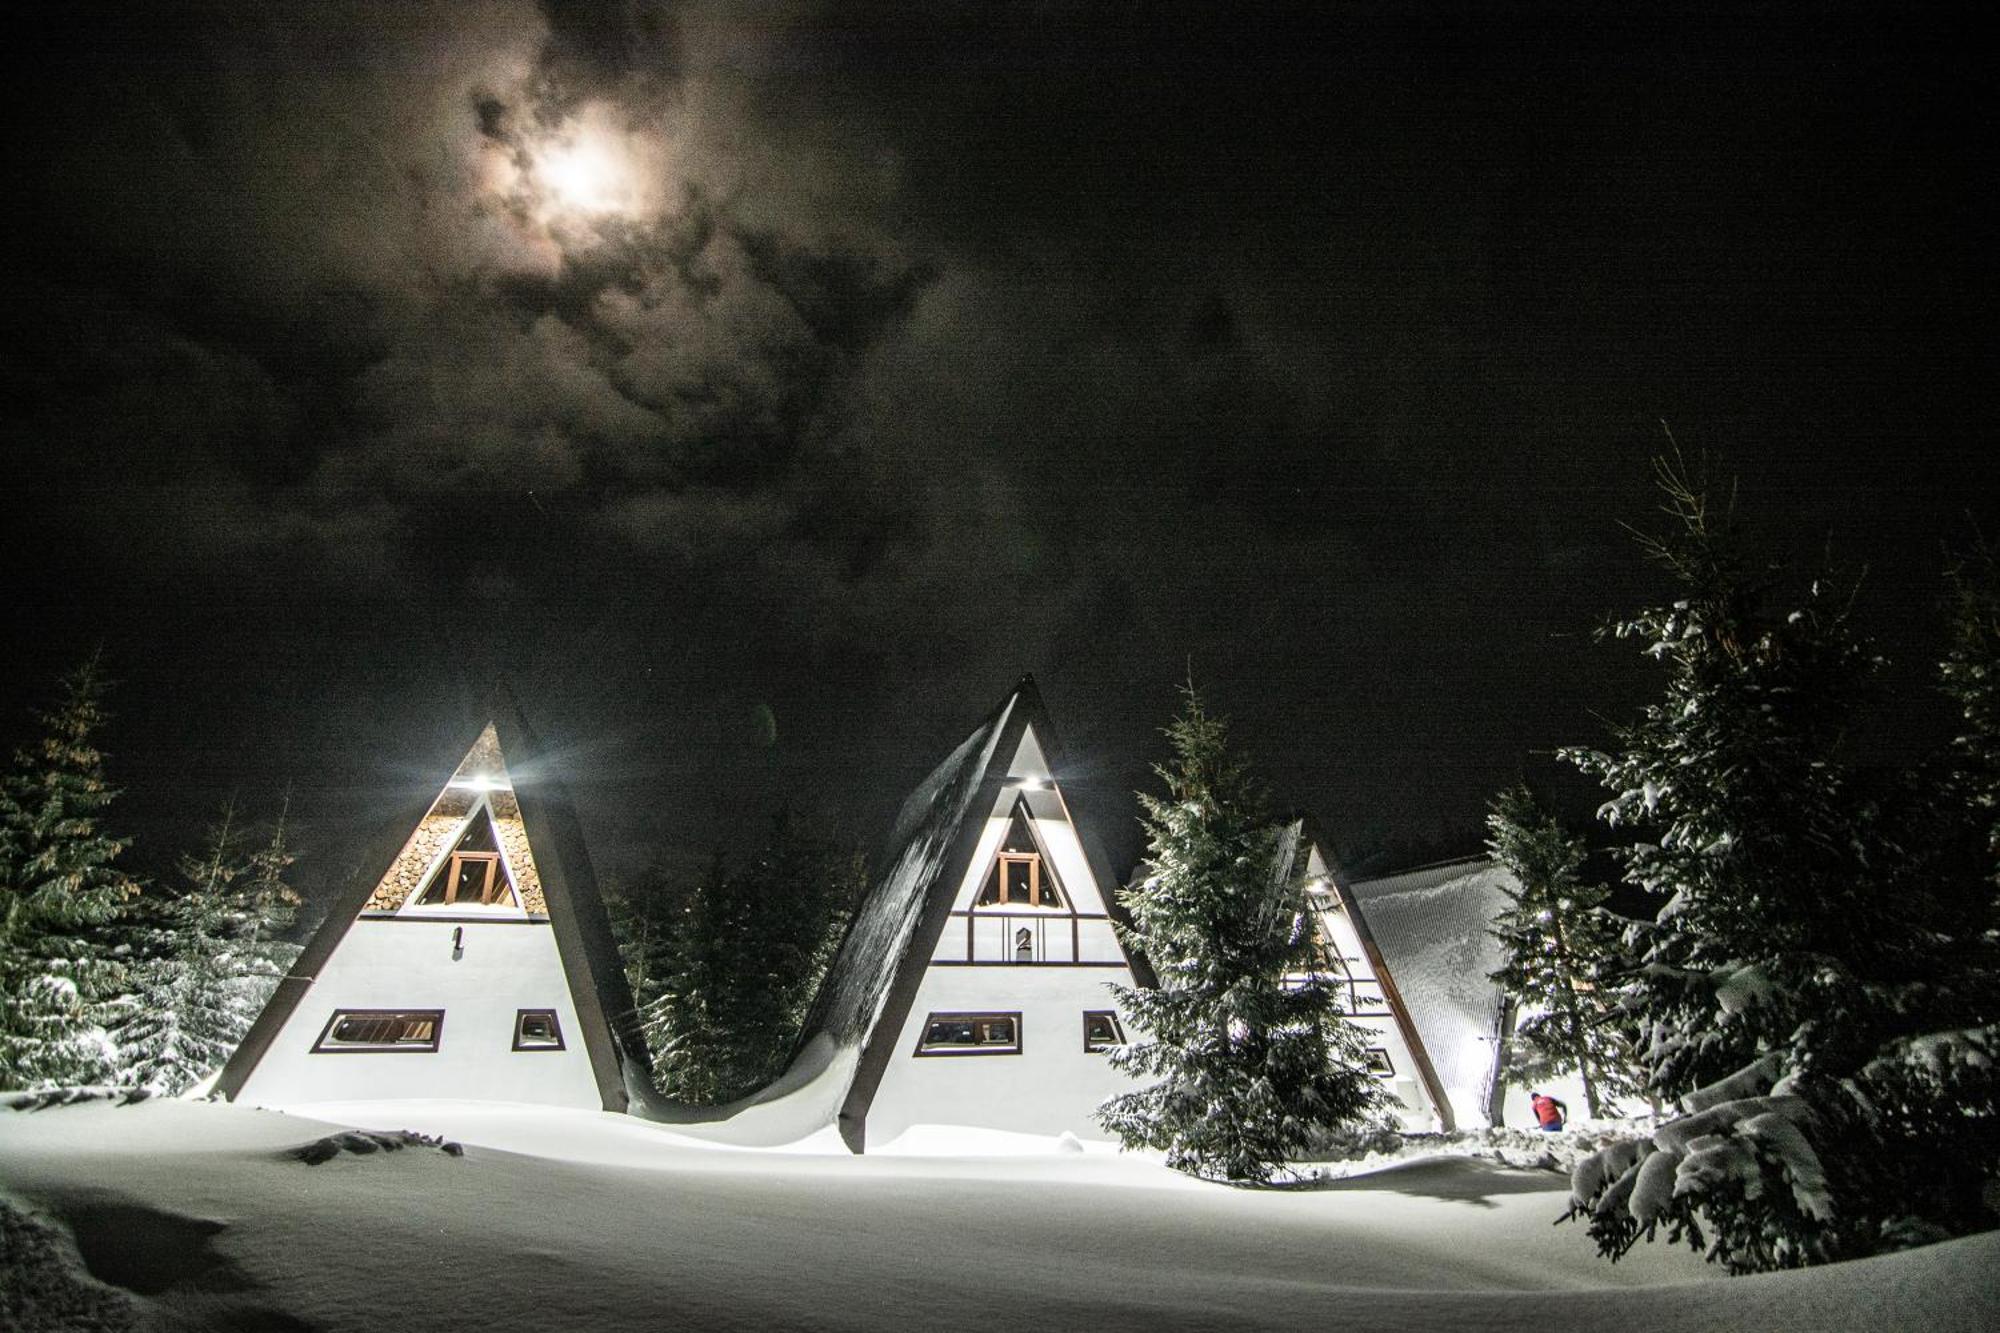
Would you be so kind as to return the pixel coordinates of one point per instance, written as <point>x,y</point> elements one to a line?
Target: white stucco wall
<point>407,963</point>
<point>1051,1086</point>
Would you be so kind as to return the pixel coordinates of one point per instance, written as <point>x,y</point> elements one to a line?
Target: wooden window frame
<point>951,1015</point>
<point>320,1045</point>
<point>1388,1069</point>
<point>555,1025</point>
<point>1117,1028</point>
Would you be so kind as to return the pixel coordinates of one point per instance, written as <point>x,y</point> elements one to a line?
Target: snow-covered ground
<point>562,1219</point>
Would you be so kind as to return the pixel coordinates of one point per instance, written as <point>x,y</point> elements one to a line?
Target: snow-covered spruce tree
<point>1564,952</point>
<point>1249,1068</point>
<point>1819,989</point>
<point>1971,678</point>
<point>58,982</point>
<point>187,1008</point>
<point>262,902</point>
<point>1762,838</point>
<point>207,957</point>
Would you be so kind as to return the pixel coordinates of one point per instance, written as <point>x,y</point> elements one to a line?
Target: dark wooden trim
<point>1116,1026</point>
<point>988,913</point>
<point>319,1046</point>
<point>555,1025</point>
<point>606,1015</point>
<point>1010,962</point>
<point>457,920</point>
<point>977,1016</point>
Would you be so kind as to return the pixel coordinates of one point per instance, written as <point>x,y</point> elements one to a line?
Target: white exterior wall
<point>1053,1084</point>
<point>407,963</point>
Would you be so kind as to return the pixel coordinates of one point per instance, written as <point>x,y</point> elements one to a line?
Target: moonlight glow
<point>584,175</point>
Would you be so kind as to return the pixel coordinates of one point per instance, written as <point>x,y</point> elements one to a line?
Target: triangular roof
<point>1304,828</point>
<point>557,880</point>
<point>874,978</point>
<point>1434,926</point>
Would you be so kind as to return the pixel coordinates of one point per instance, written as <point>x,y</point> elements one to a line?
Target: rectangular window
<point>537,1030</point>
<point>971,1034</point>
<point>1378,1063</point>
<point>363,1030</point>
<point>1101,1030</point>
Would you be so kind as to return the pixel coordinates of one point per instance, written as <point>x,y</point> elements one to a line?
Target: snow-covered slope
<point>605,1222</point>
<point>1432,926</point>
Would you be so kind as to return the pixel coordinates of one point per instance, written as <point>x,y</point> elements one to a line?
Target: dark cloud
<point>929,344</point>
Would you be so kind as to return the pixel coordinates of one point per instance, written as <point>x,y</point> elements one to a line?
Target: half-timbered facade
<point>977,978</point>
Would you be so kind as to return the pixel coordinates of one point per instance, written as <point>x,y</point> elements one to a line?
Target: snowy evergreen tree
<point>1821,987</point>
<point>745,957</point>
<point>1250,1068</point>
<point>1563,955</point>
<point>58,880</point>
<point>1971,679</point>
<point>262,905</point>
<point>207,960</point>
<point>187,1008</point>
<point>1741,770</point>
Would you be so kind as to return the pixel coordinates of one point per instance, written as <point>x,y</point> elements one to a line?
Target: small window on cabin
<point>1101,1030</point>
<point>1378,1063</point>
<point>971,1034</point>
<point>1020,877</point>
<point>473,875</point>
<point>537,1030</point>
<point>380,1030</point>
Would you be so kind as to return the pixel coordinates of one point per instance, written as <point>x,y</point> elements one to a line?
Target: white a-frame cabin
<point>474,962</point>
<point>1365,988</point>
<point>975,981</point>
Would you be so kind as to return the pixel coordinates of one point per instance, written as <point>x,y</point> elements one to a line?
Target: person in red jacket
<point>1549,1112</point>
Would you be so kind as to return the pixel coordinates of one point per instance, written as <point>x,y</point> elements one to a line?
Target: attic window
<point>537,1030</point>
<point>473,875</point>
<point>362,1030</point>
<point>1019,877</point>
<point>1101,1030</point>
<point>971,1034</point>
<point>1378,1064</point>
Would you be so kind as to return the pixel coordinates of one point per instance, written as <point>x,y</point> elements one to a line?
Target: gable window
<point>1102,1030</point>
<point>1378,1063</point>
<point>380,1030</point>
<point>971,1034</point>
<point>473,875</point>
<point>537,1030</point>
<point>1020,877</point>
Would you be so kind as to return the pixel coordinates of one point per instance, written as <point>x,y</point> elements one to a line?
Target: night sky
<point>762,389</point>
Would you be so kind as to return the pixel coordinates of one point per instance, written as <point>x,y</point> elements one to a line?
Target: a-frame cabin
<point>1352,961</point>
<point>974,982</point>
<point>474,962</point>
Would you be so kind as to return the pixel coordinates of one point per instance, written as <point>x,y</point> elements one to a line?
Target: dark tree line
<point>724,969</point>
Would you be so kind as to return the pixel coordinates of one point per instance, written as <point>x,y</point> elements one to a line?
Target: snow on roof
<point>1432,926</point>
<point>857,986</point>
